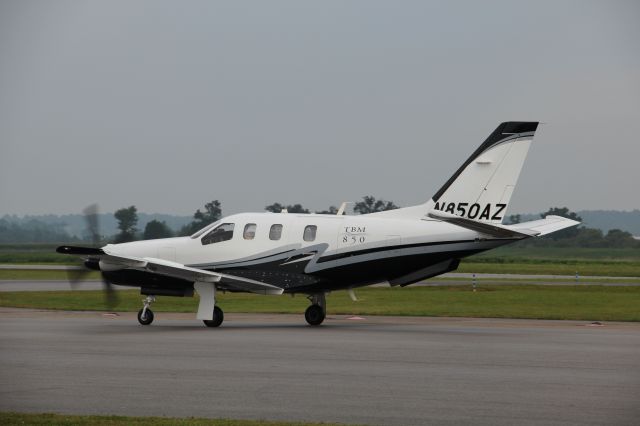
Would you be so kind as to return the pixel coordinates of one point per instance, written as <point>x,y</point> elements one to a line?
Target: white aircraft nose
<point>158,249</point>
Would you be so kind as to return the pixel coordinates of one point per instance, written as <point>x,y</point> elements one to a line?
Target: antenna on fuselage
<point>352,295</point>
<point>342,207</point>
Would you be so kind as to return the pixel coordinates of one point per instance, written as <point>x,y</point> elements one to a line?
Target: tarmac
<point>371,370</point>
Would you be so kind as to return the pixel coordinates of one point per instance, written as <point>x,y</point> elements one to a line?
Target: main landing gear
<point>145,315</point>
<point>316,313</point>
<point>218,317</point>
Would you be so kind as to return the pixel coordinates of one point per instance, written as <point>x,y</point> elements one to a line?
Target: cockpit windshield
<point>205,229</point>
<point>222,232</point>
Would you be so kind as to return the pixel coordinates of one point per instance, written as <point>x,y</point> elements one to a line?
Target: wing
<point>171,269</point>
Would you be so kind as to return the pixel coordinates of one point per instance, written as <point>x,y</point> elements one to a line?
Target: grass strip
<point>616,269</point>
<point>579,302</point>
<point>41,275</point>
<point>11,419</point>
<point>573,254</point>
<point>37,259</point>
<point>556,279</point>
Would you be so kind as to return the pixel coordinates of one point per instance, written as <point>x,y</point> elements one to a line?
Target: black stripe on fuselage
<point>350,274</point>
<point>231,263</point>
<point>389,248</point>
<point>360,271</point>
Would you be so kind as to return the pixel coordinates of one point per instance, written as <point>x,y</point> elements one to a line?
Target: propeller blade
<point>93,225</point>
<point>76,275</point>
<point>79,274</point>
<point>111,298</point>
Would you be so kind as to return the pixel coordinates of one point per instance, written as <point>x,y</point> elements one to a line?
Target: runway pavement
<point>377,370</point>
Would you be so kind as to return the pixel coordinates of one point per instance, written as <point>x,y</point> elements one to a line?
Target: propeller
<point>79,274</point>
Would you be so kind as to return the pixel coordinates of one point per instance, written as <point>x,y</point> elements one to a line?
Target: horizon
<point>311,103</point>
<point>312,211</point>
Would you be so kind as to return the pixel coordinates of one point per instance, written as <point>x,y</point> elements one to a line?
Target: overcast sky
<point>168,105</point>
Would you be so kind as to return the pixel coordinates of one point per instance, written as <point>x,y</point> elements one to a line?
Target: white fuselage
<point>341,234</point>
<point>350,244</point>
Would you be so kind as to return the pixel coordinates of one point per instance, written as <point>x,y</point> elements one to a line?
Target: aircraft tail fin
<point>481,188</point>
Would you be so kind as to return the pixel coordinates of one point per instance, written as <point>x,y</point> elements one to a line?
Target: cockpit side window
<point>205,229</point>
<point>249,231</point>
<point>309,233</point>
<point>275,232</point>
<point>222,232</point>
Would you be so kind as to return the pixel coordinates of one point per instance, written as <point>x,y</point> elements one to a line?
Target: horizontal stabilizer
<point>536,228</point>
<point>492,229</point>
<point>545,226</point>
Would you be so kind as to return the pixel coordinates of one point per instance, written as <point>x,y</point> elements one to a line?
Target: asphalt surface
<point>377,370</point>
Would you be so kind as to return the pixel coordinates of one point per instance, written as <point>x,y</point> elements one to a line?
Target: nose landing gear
<point>145,315</point>
<point>316,313</point>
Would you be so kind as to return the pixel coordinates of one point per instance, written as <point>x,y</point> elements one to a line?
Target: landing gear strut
<point>316,313</point>
<point>218,317</point>
<point>145,315</point>
<point>210,314</point>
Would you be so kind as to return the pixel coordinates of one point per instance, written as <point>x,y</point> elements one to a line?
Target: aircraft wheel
<point>148,317</point>
<point>314,315</point>
<point>218,317</point>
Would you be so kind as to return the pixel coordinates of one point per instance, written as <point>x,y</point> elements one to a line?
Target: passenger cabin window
<point>249,231</point>
<point>275,233</point>
<point>309,233</point>
<point>220,233</point>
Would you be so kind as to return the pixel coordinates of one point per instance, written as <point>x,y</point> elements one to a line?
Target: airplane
<point>314,254</point>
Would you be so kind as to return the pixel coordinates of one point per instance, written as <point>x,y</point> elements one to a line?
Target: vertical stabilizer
<point>482,187</point>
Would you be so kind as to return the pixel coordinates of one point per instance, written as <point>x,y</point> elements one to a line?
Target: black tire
<point>148,317</point>
<point>218,317</point>
<point>314,315</point>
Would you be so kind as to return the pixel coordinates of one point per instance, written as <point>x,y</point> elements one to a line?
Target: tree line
<point>579,236</point>
<point>128,218</point>
<point>32,230</point>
